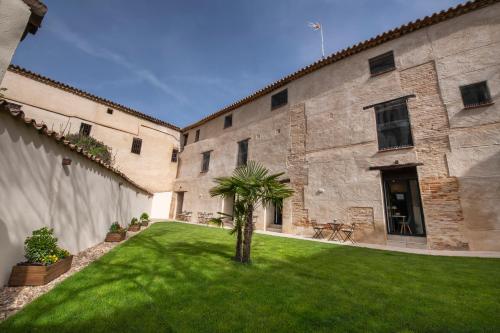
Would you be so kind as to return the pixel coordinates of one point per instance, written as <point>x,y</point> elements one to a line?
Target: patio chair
<point>318,230</point>
<point>348,231</point>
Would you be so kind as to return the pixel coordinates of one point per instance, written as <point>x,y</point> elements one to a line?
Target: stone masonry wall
<point>297,165</point>
<point>430,128</point>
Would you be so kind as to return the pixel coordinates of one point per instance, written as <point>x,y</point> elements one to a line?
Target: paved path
<point>446,253</point>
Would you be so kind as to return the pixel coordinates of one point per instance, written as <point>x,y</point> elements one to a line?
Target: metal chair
<point>348,231</point>
<point>318,229</point>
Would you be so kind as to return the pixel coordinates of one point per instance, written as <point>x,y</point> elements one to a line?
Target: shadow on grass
<point>176,277</point>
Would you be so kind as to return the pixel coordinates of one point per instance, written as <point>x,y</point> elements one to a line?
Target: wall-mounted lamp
<point>320,190</point>
<point>66,161</point>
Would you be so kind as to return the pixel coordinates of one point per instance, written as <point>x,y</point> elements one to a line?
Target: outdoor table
<point>335,227</point>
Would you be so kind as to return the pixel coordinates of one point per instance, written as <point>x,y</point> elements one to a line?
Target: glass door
<point>403,206</point>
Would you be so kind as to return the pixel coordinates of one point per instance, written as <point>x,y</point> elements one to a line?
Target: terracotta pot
<point>144,223</point>
<point>37,275</point>
<point>134,227</point>
<point>115,236</point>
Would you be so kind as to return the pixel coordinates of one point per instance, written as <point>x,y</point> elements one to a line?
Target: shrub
<point>92,146</point>
<point>134,221</point>
<point>115,227</point>
<point>42,247</point>
<point>144,217</point>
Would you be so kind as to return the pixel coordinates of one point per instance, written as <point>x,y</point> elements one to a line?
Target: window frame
<point>197,135</point>
<point>276,95</point>
<point>85,129</point>
<point>185,138</point>
<point>110,111</point>
<point>378,58</point>
<point>175,155</point>
<point>205,167</point>
<point>229,123</point>
<point>245,141</point>
<point>136,146</point>
<point>401,101</point>
<point>483,84</point>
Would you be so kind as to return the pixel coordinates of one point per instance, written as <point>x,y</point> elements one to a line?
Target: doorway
<point>403,205</point>
<point>180,202</point>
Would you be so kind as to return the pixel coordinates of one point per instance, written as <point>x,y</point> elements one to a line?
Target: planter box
<point>144,223</point>
<point>135,227</point>
<point>115,236</point>
<point>37,275</point>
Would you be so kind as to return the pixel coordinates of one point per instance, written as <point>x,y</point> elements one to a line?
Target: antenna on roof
<point>317,26</point>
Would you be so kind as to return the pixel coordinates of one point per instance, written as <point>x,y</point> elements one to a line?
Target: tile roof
<point>362,46</point>
<point>15,111</point>
<point>43,79</point>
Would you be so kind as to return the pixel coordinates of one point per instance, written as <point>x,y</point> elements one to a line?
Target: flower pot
<point>144,223</point>
<point>115,236</point>
<point>134,227</point>
<point>26,274</point>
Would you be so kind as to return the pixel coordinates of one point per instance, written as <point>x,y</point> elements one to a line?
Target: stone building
<point>144,148</point>
<point>400,133</point>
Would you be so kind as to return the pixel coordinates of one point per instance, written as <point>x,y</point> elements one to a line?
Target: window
<point>110,111</point>
<point>197,136</point>
<point>279,99</point>
<point>205,161</point>
<point>382,63</point>
<point>85,129</point>
<point>228,121</point>
<point>184,140</point>
<point>136,146</point>
<point>175,154</point>
<point>242,153</point>
<point>476,94</point>
<point>393,125</point>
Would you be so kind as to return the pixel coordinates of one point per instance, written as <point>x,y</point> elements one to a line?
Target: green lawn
<point>178,277</point>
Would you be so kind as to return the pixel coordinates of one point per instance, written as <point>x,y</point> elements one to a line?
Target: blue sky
<point>181,60</point>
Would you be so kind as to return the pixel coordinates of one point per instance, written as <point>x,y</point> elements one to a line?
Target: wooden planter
<point>144,223</point>
<point>115,236</point>
<point>134,227</point>
<point>37,275</point>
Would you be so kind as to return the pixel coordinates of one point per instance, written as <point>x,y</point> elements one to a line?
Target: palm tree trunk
<point>239,241</point>
<point>247,241</point>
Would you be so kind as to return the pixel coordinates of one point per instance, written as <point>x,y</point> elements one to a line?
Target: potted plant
<point>45,261</point>
<point>134,225</point>
<point>116,233</point>
<point>144,219</point>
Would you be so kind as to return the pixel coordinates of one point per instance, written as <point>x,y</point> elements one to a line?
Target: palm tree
<point>251,185</point>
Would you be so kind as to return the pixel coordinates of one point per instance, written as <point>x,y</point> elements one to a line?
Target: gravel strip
<point>13,299</point>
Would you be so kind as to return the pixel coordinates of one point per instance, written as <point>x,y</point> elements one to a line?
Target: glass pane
<point>393,125</point>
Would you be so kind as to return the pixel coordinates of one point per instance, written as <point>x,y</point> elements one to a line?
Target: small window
<point>228,121</point>
<point>85,129</point>
<point>110,111</point>
<point>242,153</point>
<point>205,161</point>
<point>136,146</point>
<point>175,154</point>
<point>382,63</point>
<point>279,99</point>
<point>185,137</point>
<point>197,136</point>
<point>393,125</point>
<point>476,94</point>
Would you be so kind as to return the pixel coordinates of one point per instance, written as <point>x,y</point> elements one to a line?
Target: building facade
<point>400,134</point>
<point>144,148</point>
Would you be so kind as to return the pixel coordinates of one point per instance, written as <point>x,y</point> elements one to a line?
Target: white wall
<point>79,201</point>
<point>14,15</point>
<point>161,205</point>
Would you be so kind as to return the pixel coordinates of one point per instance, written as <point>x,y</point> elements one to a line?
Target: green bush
<point>42,247</point>
<point>144,217</point>
<point>134,221</point>
<point>92,146</point>
<point>115,227</point>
